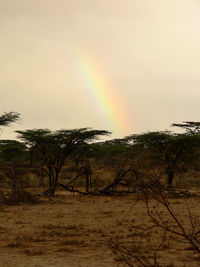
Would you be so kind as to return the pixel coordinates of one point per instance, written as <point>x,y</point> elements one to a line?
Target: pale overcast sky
<point>144,55</point>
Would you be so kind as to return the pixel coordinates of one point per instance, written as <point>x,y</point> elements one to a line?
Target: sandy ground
<point>73,230</point>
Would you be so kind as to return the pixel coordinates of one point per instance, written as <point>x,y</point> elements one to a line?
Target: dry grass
<point>33,252</point>
<point>73,230</point>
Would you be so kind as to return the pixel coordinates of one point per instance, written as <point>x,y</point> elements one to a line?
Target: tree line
<point>76,158</point>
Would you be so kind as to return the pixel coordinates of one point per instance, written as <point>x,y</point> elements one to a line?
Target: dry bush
<point>73,242</point>
<point>18,197</point>
<point>165,229</point>
<point>33,252</point>
<point>15,244</point>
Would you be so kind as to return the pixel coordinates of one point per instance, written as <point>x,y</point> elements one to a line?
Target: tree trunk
<point>53,182</point>
<point>53,189</point>
<point>120,175</point>
<point>52,186</point>
<point>88,182</point>
<point>170,177</point>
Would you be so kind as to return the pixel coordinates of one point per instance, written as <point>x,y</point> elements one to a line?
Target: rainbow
<point>98,88</point>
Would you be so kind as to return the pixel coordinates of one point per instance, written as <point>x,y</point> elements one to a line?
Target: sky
<point>127,66</point>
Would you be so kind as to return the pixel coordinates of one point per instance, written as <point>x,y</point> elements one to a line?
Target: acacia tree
<point>191,127</point>
<point>8,118</point>
<point>117,157</point>
<point>167,151</point>
<point>53,148</point>
<point>14,164</point>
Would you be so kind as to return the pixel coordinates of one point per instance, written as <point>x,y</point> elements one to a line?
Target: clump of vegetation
<point>20,197</point>
<point>165,229</point>
<point>144,165</point>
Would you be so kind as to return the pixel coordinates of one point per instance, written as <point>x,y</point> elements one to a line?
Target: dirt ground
<point>73,231</point>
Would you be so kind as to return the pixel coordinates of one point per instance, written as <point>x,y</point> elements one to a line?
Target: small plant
<point>73,242</point>
<point>15,244</point>
<point>20,197</point>
<point>33,252</point>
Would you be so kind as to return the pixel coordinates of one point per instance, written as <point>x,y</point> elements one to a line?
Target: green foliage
<point>8,118</point>
<point>14,164</point>
<point>191,127</point>
<point>53,148</point>
<point>166,150</point>
<point>114,149</point>
<point>12,151</point>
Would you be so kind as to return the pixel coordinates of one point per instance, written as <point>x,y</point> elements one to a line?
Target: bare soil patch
<point>72,231</point>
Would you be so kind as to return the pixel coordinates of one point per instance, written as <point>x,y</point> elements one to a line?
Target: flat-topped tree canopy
<point>52,148</point>
<point>167,150</point>
<point>191,127</point>
<point>61,138</point>
<point>9,117</point>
